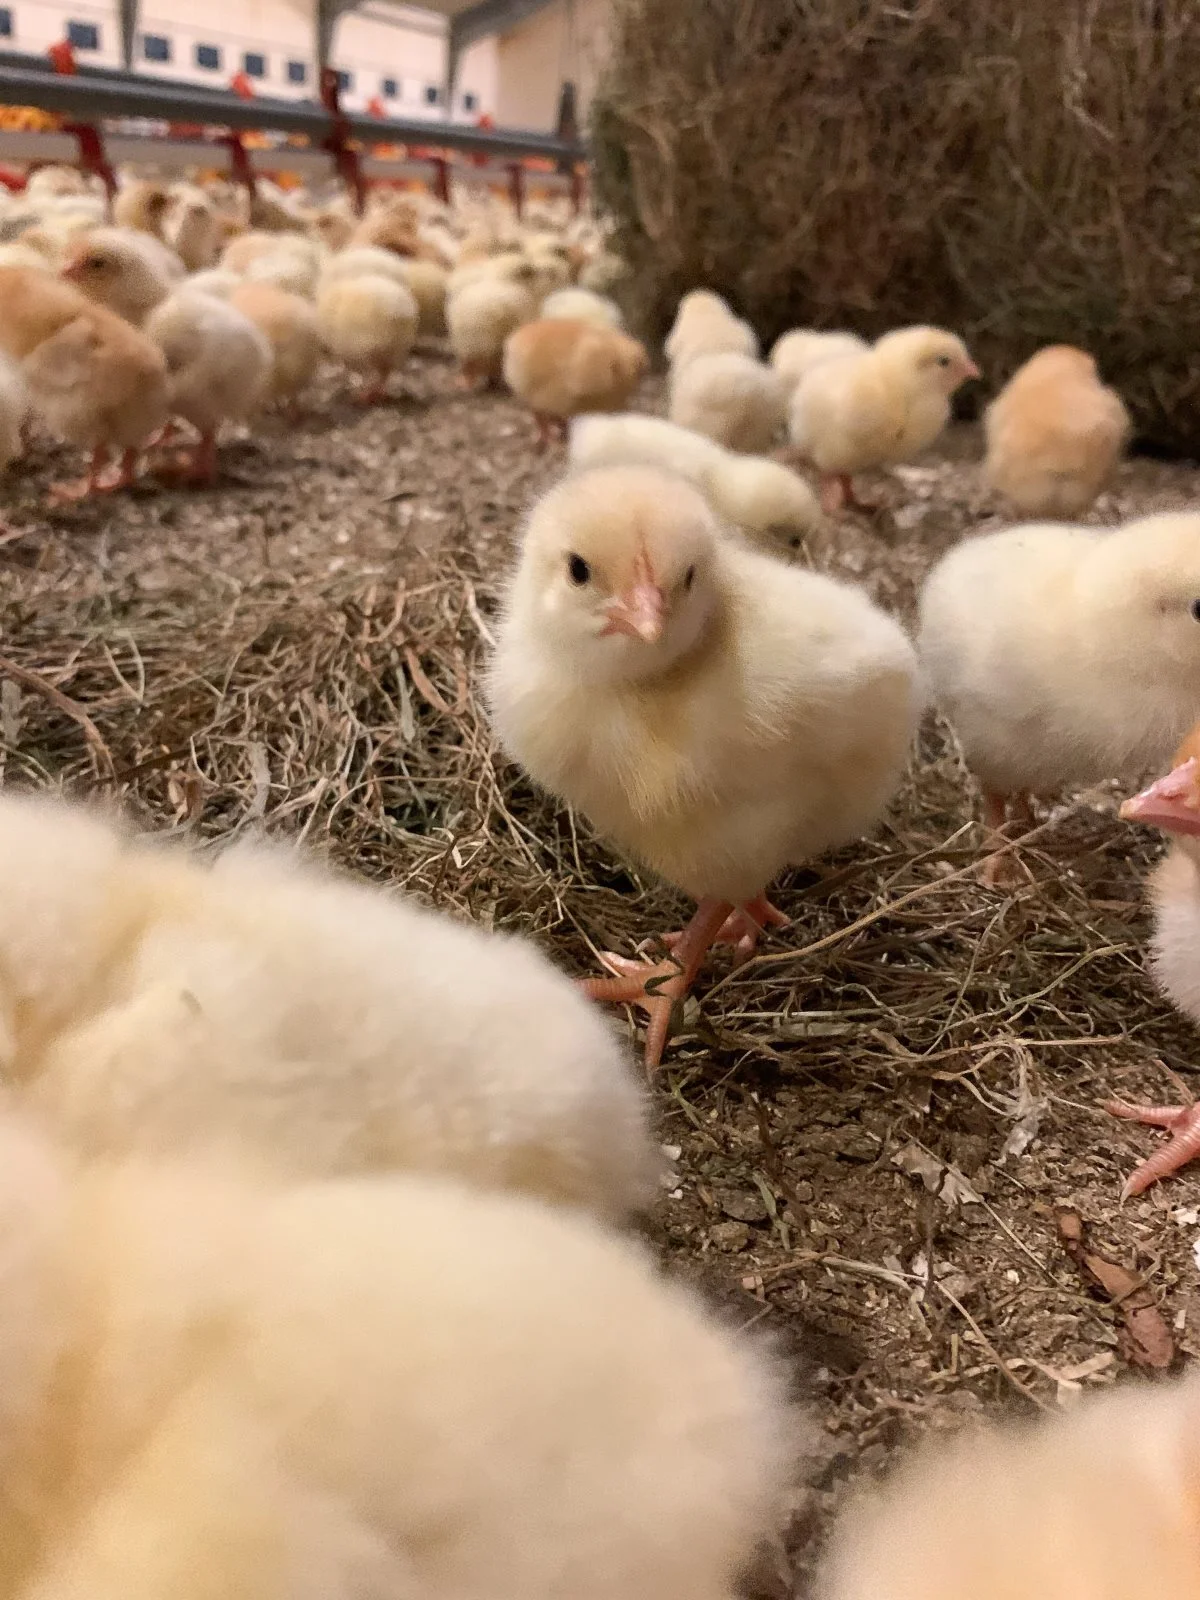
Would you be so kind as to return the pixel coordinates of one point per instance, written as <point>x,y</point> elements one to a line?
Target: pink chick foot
<point>742,928</point>
<point>1183,1124</point>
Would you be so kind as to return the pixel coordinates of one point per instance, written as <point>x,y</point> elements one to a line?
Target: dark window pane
<point>208,55</point>
<point>254,65</point>
<point>6,23</point>
<point>345,82</point>
<point>297,72</point>
<point>389,88</point>
<point>470,102</point>
<point>83,35</point>
<point>432,94</point>
<point>155,47</point>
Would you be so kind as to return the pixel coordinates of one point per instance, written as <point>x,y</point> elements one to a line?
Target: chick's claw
<point>742,928</point>
<point>1181,1122</point>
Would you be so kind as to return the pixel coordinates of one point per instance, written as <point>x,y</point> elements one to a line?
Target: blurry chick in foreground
<point>715,713</point>
<point>1064,656</point>
<point>1096,1504</point>
<point>562,367</point>
<point>386,1389</point>
<point>876,408</point>
<point>764,499</point>
<point>1054,434</point>
<point>153,1002</point>
<point>1172,804</point>
<point>370,324</point>
<point>131,273</point>
<point>218,368</point>
<point>95,381</point>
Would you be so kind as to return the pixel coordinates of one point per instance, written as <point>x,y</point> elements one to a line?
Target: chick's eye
<point>943,361</point>
<point>579,570</point>
<point>689,578</point>
<point>1194,608</point>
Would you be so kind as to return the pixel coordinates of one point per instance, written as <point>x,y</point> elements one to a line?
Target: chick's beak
<point>642,613</point>
<point>1172,803</point>
<point>972,371</point>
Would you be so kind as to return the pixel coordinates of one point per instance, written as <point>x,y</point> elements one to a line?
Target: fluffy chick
<point>218,368</point>
<point>149,1002</point>
<point>704,326</point>
<point>731,398</point>
<point>142,205</point>
<point>480,317</point>
<point>292,328</point>
<point>581,305</point>
<point>370,324</point>
<point>427,282</point>
<point>1064,656</point>
<point>1100,1502</point>
<point>717,714</point>
<point>1054,434</point>
<point>192,228</point>
<point>767,501</point>
<point>129,272</point>
<point>100,384</point>
<point>389,1388</point>
<point>561,368</point>
<point>876,408</point>
<point>796,353</point>
<point>1172,804</point>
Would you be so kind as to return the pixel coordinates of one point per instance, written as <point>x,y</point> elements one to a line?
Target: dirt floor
<point>876,1124</point>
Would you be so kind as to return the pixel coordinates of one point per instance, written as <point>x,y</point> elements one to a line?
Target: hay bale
<point>1020,171</point>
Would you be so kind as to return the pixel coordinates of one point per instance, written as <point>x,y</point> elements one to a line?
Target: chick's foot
<point>64,493</point>
<point>741,928</point>
<point>1181,1122</point>
<point>658,986</point>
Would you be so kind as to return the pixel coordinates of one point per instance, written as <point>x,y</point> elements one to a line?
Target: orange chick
<point>562,367</point>
<point>95,381</point>
<point>1172,804</point>
<point>1054,434</point>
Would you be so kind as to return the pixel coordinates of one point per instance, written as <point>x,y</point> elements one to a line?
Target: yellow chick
<point>101,385</point>
<point>142,205</point>
<point>1054,434</point>
<point>766,500</point>
<point>1063,655</point>
<point>129,272</point>
<point>705,326</point>
<point>294,270</point>
<point>241,252</point>
<point>796,353</point>
<point>1100,1502</point>
<point>480,316</point>
<point>55,181</point>
<point>370,324</point>
<point>877,408</point>
<point>582,305</point>
<point>292,328</point>
<point>218,368</point>
<point>364,261</point>
<point>426,281</point>
<point>191,227</point>
<point>389,1388</point>
<point>731,398</point>
<point>561,368</point>
<point>20,254</point>
<point>149,1002</point>
<point>715,713</point>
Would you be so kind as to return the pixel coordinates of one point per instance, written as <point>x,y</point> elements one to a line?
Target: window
<point>470,102</point>
<point>345,82</point>
<point>6,23</point>
<point>297,72</point>
<point>155,47</point>
<point>83,35</point>
<point>432,94</point>
<point>389,88</point>
<point>208,56</point>
<point>254,65</point>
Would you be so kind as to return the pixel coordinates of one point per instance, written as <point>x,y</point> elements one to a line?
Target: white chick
<point>23,255</point>
<point>796,353</point>
<point>287,269</point>
<point>241,253</point>
<point>218,368</point>
<point>704,325</point>
<point>1064,656</point>
<point>370,324</point>
<point>1099,1502</point>
<point>1054,434</point>
<point>715,713</point>
<point>293,330</point>
<point>218,280</point>
<point>1172,804</point>
<point>480,317</point>
<point>129,272</point>
<point>390,1388</point>
<point>192,228</point>
<point>364,261</point>
<point>152,1003</point>
<point>581,305</point>
<point>878,408</point>
<point>730,398</point>
<point>766,500</point>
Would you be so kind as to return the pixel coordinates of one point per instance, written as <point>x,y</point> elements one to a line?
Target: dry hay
<point>302,649</point>
<point>1022,172</point>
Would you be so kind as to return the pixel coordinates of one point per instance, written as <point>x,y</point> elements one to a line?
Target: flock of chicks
<point>314,1280</point>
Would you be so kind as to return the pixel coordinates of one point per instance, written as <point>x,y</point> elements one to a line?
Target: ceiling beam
<point>481,21</point>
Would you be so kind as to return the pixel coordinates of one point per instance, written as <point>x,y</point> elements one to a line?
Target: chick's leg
<point>837,490</point>
<point>125,474</point>
<point>61,493</point>
<point>1003,871</point>
<point>1181,1122</point>
<point>656,986</point>
<point>742,928</point>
